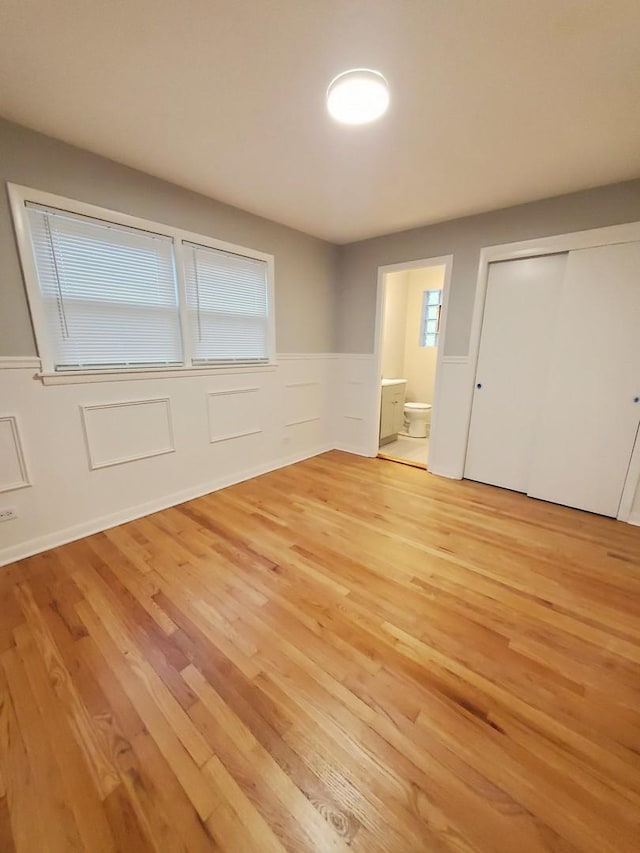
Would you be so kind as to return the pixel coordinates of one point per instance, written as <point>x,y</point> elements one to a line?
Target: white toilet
<point>417,419</point>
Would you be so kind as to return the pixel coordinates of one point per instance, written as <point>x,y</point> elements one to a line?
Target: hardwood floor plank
<point>181,762</point>
<point>26,811</point>
<point>343,654</point>
<point>161,804</point>
<point>105,775</point>
<point>56,814</point>
<point>74,775</point>
<point>144,671</point>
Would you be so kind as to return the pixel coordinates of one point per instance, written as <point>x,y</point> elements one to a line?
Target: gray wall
<point>463,238</point>
<point>305,267</point>
<point>325,295</point>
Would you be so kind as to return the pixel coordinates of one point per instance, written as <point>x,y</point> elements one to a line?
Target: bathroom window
<point>430,326</point>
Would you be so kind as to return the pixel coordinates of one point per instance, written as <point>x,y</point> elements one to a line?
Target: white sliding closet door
<point>512,368</point>
<point>587,422</point>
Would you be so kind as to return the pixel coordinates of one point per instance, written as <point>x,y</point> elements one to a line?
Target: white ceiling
<point>494,102</point>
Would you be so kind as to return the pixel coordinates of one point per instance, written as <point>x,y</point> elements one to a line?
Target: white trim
<point>455,359</point>
<point>231,435</point>
<point>628,232</point>
<point>631,485</point>
<point>224,391</point>
<point>447,262</point>
<point>297,356</point>
<point>178,255</point>
<point>362,356</point>
<point>303,421</point>
<point>81,377</point>
<point>12,420</point>
<point>302,384</point>
<point>351,448</point>
<point>123,404</point>
<point>69,534</point>
<point>27,362</point>
<point>19,195</point>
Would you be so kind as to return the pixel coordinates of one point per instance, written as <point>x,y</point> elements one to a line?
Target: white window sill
<point>76,377</point>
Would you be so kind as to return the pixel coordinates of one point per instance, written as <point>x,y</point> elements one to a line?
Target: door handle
<point>479,385</point>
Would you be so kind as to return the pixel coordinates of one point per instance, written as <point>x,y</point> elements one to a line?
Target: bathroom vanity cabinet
<point>392,409</point>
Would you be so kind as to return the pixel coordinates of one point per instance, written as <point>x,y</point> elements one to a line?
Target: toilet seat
<point>416,419</point>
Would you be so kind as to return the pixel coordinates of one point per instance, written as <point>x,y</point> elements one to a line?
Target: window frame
<point>424,319</point>
<point>19,195</point>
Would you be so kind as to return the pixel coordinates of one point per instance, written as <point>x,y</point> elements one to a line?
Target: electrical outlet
<point>7,514</point>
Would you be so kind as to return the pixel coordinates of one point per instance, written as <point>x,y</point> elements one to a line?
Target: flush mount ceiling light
<point>357,96</point>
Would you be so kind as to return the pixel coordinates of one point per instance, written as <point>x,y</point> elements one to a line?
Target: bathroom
<point>412,305</point>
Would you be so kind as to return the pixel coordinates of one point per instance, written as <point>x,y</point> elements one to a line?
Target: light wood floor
<point>347,654</point>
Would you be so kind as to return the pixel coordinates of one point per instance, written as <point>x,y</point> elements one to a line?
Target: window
<point>108,292</point>
<point>430,325</point>
<point>227,306</point>
<point>112,292</point>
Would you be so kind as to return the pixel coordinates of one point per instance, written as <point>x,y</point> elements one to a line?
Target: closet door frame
<point>610,235</point>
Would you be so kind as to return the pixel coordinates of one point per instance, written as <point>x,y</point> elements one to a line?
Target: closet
<point>556,405</point>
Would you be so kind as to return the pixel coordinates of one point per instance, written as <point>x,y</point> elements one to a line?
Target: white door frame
<point>447,262</point>
<point>607,236</point>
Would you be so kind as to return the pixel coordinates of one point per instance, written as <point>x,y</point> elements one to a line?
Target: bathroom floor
<point>406,447</point>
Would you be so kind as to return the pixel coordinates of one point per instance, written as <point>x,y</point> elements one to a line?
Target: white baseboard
<point>349,448</point>
<point>634,519</point>
<point>444,472</point>
<point>96,525</point>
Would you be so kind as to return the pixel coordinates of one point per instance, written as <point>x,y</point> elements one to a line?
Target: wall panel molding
<point>13,466</point>
<point>94,525</point>
<point>237,417</point>
<point>342,390</point>
<point>127,430</point>
<point>302,421</point>
<point>303,402</point>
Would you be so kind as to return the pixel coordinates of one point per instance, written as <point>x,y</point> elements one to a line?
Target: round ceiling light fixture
<point>358,96</point>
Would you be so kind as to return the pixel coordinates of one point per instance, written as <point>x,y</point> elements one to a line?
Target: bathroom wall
<point>420,362</point>
<point>394,324</point>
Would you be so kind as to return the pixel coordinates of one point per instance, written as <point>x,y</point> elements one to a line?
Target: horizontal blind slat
<point>228,307</point>
<point>109,291</point>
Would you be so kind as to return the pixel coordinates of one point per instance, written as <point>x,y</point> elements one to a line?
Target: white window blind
<point>109,292</point>
<point>228,306</point>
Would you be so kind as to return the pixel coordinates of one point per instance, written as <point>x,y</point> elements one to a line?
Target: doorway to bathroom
<point>410,328</point>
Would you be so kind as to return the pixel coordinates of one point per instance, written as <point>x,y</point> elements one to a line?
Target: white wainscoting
<point>13,467</point>
<point>101,453</point>
<point>450,420</point>
<point>305,404</point>
<point>355,412</point>
<point>224,429</point>
<point>127,430</point>
<point>234,413</point>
